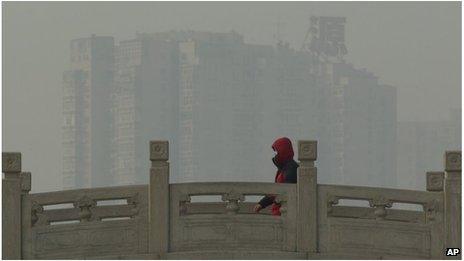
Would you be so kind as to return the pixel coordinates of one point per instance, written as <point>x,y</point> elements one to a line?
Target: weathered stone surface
<point>25,182</point>
<point>237,254</point>
<point>120,229</point>
<point>307,150</point>
<point>160,221</point>
<point>453,161</point>
<point>453,203</point>
<point>219,230</point>
<point>435,181</point>
<point>377,228</point>
<point>358,236</point>
<point>307,209</point>
<point>159,200</point>
<point>11,162</point>
<point>159,150</point>
<point>11,218</point>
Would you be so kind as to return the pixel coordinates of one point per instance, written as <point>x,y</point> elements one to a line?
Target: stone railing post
<point>26,209</point>
<point>11,205</point>
<point>434,213</point>
<point>453,200</point>
<point>307,197</point>
<point>159,199</point>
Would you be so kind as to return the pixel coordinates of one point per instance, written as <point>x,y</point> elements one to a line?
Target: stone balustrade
<point>161,221</point>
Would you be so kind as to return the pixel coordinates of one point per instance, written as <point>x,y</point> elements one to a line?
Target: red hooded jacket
<point>286,170</point>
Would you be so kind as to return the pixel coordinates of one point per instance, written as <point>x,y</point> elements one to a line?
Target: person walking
<point>286,172</point>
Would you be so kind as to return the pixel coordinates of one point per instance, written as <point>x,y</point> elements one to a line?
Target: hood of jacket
<point>284,149</point>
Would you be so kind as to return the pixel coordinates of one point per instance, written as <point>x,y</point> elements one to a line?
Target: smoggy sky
<point>414,46</point>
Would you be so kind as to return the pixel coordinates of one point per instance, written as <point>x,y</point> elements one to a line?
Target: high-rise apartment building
<point>87,89</point>
<point>221,103</point>
<point>358,115</point>
<point>145,104</point>
<point>218,103</point>
<point>357,126</point>
<point>362,128</point>
<point>221,92</point>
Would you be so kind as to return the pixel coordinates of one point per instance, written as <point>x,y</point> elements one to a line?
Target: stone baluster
<point>452,189</point>
<point>134,202</point>
<point>159,199</point>
<point>11,205</point>
<point>331,201</point>
<point>85,205</point>
<point>307,197</point>
<point>232,199</point>
<point>183,201</point>
<point>37,217</point>
<point>380,204</point>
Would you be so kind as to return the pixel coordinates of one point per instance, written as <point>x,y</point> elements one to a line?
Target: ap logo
<point>452,251</point>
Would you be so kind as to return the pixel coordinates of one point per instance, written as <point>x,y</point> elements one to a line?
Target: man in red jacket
<point>286,172</point>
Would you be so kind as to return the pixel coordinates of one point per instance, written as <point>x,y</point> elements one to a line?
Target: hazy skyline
<point>415,47</point>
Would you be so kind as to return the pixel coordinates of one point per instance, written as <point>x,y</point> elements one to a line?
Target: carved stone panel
<point>386,238</point>
<point>453,161</point>
<point>159,150</point>
<point>223,227</point>
<point>259,233</point>
<point>79,240</point>
<point>26,181</point>
<point>11,162</point>
<point>435,181</point>
<point>307,150</point>
<point>101,230</point>
<point>85,204</point>
<point>37,216</point>
<point>213,232</point>
<point>232,200</point>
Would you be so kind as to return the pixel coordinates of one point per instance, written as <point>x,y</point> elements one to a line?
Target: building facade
<point>357,116</point>
<point>362,128</point>
<point>221,103</point>
<point>87,89</point>
<point>145,104</point>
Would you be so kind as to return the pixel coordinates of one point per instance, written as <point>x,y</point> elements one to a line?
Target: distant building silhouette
<point>361,128</point>
<point>145,104</point>
<point>221,102</point>
<point>87,88</point>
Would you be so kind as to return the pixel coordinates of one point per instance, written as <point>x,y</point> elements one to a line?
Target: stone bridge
<point>163,221</point>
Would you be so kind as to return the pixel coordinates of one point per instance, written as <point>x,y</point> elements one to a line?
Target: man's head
<point>283,148</point>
